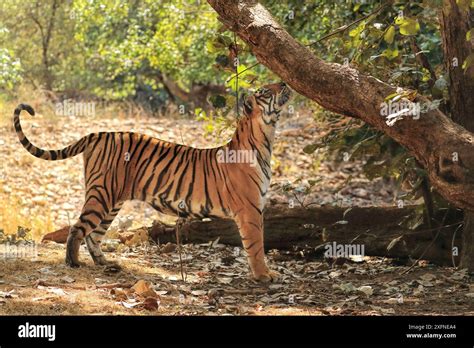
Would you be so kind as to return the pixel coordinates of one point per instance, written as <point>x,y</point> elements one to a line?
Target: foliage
<point>10,70</point>
<point>111,49</point>
<point>130,43</point>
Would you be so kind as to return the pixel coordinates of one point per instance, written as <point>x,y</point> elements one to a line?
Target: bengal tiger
<point>176,179</point>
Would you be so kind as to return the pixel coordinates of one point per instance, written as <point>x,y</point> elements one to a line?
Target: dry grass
<point>12,215</point>
<point>24,94</point>
<point>45,108</point>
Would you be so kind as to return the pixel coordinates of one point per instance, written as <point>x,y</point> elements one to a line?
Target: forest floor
<point>44,196</point>
<point>217,283</point>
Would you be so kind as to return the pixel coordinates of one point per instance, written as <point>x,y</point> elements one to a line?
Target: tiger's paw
<point>267,277</point>
<point>112,267</point>
<point>100,260</point>
<point>72,260</point>
<point>73,264</point>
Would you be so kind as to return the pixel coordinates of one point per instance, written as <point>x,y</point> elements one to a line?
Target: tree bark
<point>432,139</point>
<point>46,35</point>
<point>455,23</point>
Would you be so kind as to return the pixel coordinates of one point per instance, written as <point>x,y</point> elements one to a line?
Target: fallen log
<point>58,236</point>
<point>378,229</point>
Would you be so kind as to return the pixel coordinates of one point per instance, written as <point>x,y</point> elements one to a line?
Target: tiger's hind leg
<point>94,239</point>
<point>93,212</point>
<point>250,225</point>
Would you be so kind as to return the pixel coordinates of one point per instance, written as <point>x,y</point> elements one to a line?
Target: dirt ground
<point>217,283</point>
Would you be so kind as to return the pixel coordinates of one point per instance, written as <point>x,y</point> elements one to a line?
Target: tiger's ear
<point>248,106</point>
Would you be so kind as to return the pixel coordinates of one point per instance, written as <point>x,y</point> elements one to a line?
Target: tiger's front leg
<point>251,232</point>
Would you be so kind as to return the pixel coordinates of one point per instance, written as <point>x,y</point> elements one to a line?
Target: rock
<point>68,279</point>
<point>59,236</point>
<point>68,206</point>
<point>150,303</point>
<point>39,200</point>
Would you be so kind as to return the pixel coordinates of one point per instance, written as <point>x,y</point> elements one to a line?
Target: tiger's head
<point>267,102</point>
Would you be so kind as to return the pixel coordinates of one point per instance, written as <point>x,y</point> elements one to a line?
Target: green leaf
<point>391,96</point>
<point>357,30</point>
<point>225,40</point>
<point>242,81</point>
<point>470,34</point>
<point>468,62</point>
<point>389,35</point>
<point>211,48</point>
<point>390,54</point>
<point>408,26</point>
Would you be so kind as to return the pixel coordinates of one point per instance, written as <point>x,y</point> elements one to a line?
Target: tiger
<point>176,179</point>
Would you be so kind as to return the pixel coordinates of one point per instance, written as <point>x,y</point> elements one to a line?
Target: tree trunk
<point>377,229</point>
<point>46,35</point>
<point>432,139</point>
<point>455,23</point>
<point>443,148</point>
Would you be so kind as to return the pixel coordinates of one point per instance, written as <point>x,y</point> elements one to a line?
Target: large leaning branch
<point>445,149</point>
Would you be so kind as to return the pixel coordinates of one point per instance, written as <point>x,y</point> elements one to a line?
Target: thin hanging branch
<point>350,25</point>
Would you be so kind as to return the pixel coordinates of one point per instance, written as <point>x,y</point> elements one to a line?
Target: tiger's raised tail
<point>50,155</point>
